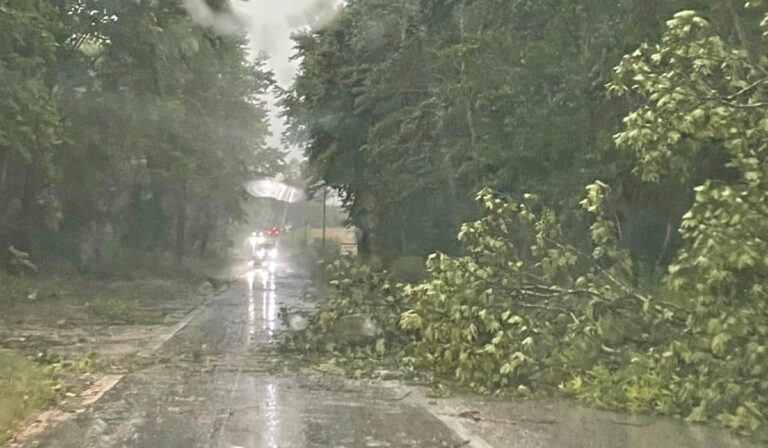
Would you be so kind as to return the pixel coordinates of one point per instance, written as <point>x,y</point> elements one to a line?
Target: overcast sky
<point>284,70</point>
<point>269,24</point>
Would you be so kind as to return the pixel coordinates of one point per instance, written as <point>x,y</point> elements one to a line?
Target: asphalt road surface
<point>211,387</point>
<point>213,384</point>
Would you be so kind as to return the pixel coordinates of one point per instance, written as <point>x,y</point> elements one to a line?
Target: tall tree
<point>127,123</point>
<point>410,107</point>
<point>29,117</point>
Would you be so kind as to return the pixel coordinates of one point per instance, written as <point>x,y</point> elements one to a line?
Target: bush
<point>357,323</point>
<point>25,388</point>
<point>316,259</point>
<point>115,311</point>
<point>408,269</point>
<point>13,288</point>
<point>524,311</point>
<point>128,262</point>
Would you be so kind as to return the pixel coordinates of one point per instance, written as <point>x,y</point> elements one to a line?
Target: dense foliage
<point>542,298</point>
<point>525,312</point>
<point>409,108</point>
<point>123,123</point>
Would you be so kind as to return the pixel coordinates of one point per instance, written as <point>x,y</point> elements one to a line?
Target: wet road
<point>212,387</point>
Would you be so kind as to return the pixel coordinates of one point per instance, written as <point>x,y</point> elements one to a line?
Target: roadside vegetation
<point>126,132</point>
<point>615,252</point>
<point>603,163</point>
<point>61,329</point>
<point>546,319</point>
<point>25,388</point>
<point>58,293</point>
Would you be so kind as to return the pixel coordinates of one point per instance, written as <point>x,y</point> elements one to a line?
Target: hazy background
<point>269,24</point>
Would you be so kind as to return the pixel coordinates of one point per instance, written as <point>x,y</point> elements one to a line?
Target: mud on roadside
<point>81,330</point>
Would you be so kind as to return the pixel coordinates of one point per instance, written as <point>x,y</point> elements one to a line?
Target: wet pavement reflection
<point>213,385</point>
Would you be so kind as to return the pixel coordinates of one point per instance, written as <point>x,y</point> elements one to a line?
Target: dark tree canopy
<point>124,121</point>
<point>408,108</point>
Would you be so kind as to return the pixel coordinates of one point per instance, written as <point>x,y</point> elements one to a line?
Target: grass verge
<point>25,387</point>
<point>61,329</point>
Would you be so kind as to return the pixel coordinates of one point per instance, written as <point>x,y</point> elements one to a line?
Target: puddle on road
<point>262,422</point>
<point>261,286</point>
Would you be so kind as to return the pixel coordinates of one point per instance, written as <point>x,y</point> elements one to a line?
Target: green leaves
<point>30,118</point>
<point>511,313</point>
<point>696,91</point>
<point>409,112</point>
<point>103,105</point>
<point>523,306</point>
<point>510,318</point>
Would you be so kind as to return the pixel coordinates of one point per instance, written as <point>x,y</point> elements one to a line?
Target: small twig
<point>513,422</point>
<point>639,425</point>
<point>476,417</point>
<point>393,400</point>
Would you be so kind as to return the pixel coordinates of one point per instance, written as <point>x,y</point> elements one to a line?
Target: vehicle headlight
<point>260,253</point>
<point>273,253</point>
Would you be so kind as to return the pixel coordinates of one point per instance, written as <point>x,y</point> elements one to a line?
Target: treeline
<point>409,108</point>
<point>123,123</point>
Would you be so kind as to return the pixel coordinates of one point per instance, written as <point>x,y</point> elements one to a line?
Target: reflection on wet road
<point>212,386</point>
<point>261,286</point>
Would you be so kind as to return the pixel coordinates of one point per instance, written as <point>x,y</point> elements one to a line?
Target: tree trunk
<point>24,227</point>
<point>181,221</point>
<point>365,200</point>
